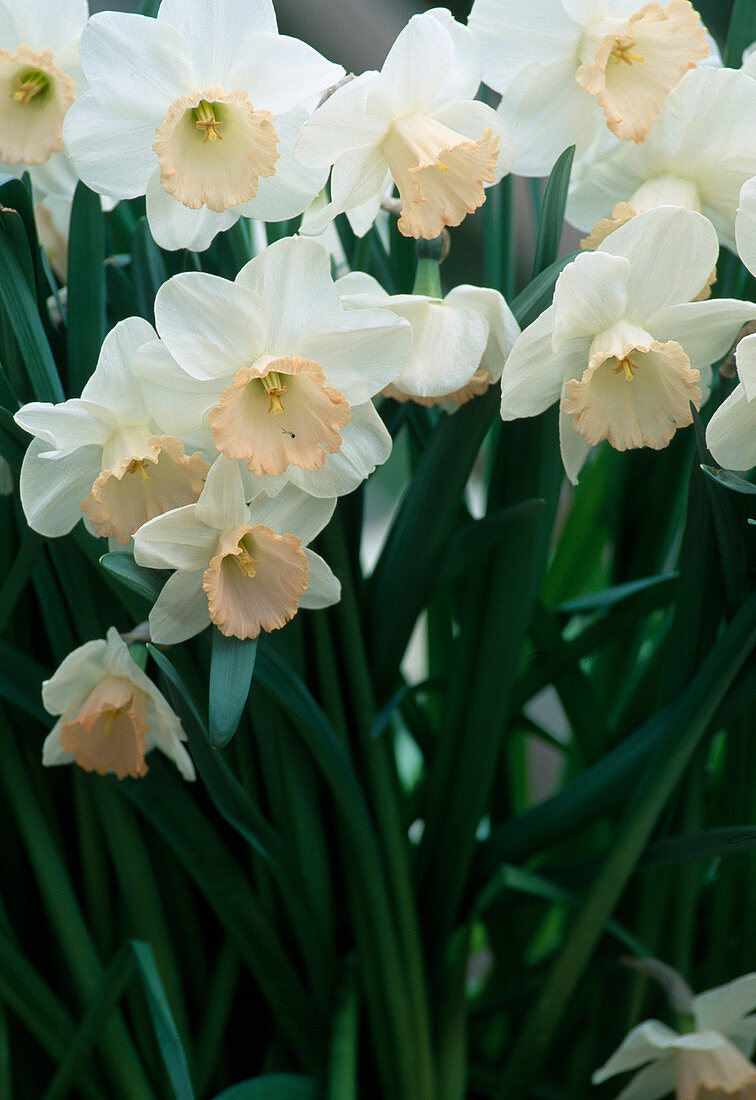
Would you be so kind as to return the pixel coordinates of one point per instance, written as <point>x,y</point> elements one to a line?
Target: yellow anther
<point>628,365</point>
<point>442,166</point>
<point>111,717</point>
<point>622,53</point>
<point>138,464</point>
<point>246,563</point>
<point>275,390</point>
<point>206,120</point>
<point>32,84</point>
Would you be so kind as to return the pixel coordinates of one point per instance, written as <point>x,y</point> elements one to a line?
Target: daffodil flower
<point>111,714</point>
<point>731,432</point>
<point>699,152</point>
<point>712,1059</point>
<point>566,67</point>
<point>415,122</point>
<point>459,343</point>
<point>198,110</point>
<point>244,567</point>
<point>283,371</point>
<point>623,346</point>
<point>105,454</point>
<point>745,225</point>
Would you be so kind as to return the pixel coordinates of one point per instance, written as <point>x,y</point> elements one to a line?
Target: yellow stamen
<point>275,390</point>
<point>442,166</point>
<point>628,365</point>
<point>138,464</point>
<point>111,717</point>
<point>246,562</point>
<point>622,53</point>
<point>31,84</point>
<point>206,120</point>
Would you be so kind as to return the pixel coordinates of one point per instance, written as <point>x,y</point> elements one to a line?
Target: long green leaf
<point>273,1086</point>
<point>729,480</point>
<point>742,32</point>
<point>551,222</point>
<point>15,582</point>
<point>146,582</point>
<point>86,287</point>
<point>470,544</point>
<point>148,269</point>
<point>167,1036</point>
<point>18,300</point>
<point>232,663</point>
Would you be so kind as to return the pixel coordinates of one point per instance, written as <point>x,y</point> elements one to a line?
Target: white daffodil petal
<point>359,177</point>
<point>362,216</point>
<point>719,1008</point>
<point>463,78</point>
<point>672,253</point>
<point>340,125</point>
<point>166,733</point>
<point>114,378</point>
<point>323,588</point>
<point>503,328</point>
<point>67,426</point>
<point>293,511</point>
<point>591,295</point>
<point>359,352</point>
<point>745,357</point>
<point>44,24</point>
<point>449,342</point>
<point>180,610</point>
<point>543,33</point>
<point>211,326</point>
<point>175,540</point>
<point>731,438</point>
<point>706,330</point>
<point>573,447</point>
<point>470,119</point>
<point>651,1083</point>
<point>642,1044</point>
<point>215,31</point>
<point>416,66</point>
<point>113,156</point>
<point>135,66</point>
<point>75,677</point>
<point>745,225</point>
<point>52,489</point>
<point>533,374</point>
<point>365,444</point>
<point>359,282</point>
<point>294,277</point>
<point>286,193</point>
<point>222,503</point>
<point>279,73</point>
<point>177,400</point>
<point>174,225</point>
<point>52,751</point>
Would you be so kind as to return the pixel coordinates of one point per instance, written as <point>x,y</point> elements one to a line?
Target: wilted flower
<point>710,1060</point>
<point>243,567</point>
<point>460,342</point>
<point>199,110</point>
<point>415,122</point>
<point>731,432</point>
<point>698,154</point>
<point>565,68</point>
<point>623,345</point>
<point>105,454</point>
<point>112,714</point>
<point>286,372</point>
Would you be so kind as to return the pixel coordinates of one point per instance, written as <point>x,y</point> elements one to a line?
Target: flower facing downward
<point>711,1060</point>
<point>243,567</point>
<point>415,122</point>
<point>112,714</point>
<point>624,345</point>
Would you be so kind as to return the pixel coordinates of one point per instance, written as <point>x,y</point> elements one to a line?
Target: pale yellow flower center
<point>214,147</point>
<point>439,173</point>
<point>255,580</point>
<point>631,65</point>
<point>34,98</point>
<point>277,413</point>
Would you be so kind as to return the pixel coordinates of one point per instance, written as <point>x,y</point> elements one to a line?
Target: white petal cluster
<point>198,110</point>
<point>731,432</point>
<point>624,344</point>
<point>416,122</point>
<point>111,714</point>
<point>712,1059</point>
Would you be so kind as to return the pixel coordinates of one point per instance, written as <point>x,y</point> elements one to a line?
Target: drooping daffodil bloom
<point>699,152</point>
<point>415,122</point>
<point>198,110</point>
<point>244,567</point>
<point>624,345</point>
<point>111,713</point>
<point>39,75</point>
<point>106,455</point>
<point>283,371</point>
<point>731,432</point>
<point>712,1059</point>
<point>460,342</point>
<point>565,68</point>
